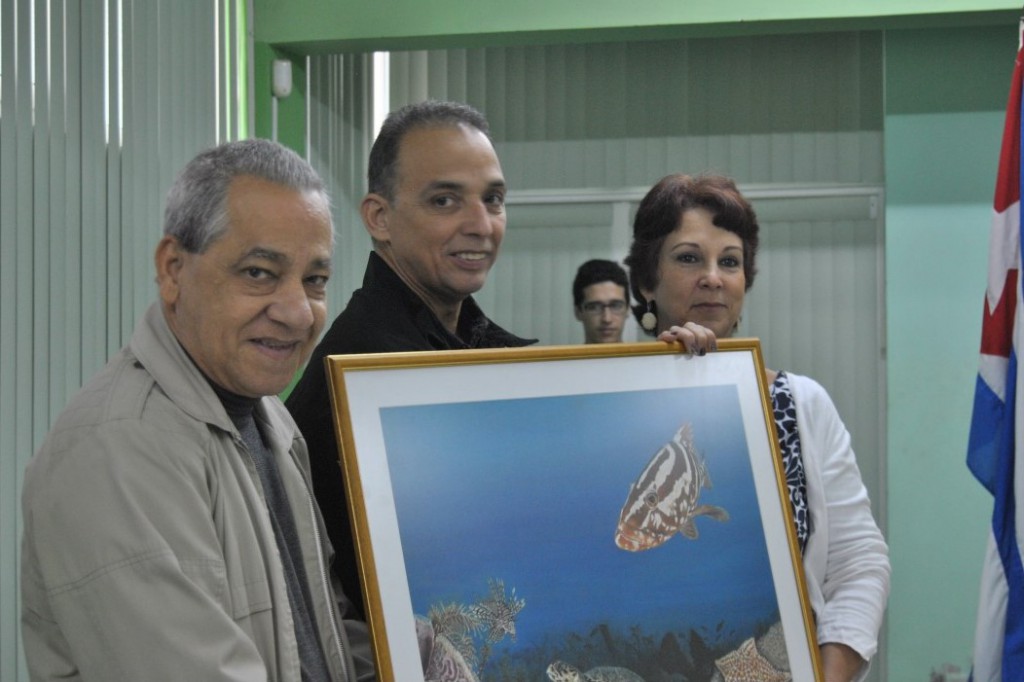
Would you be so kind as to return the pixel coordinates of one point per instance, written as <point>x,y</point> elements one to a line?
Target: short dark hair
<point>196,212</point>
<point>661,211</point>
<point>383,163</point>
<point>596,271</point>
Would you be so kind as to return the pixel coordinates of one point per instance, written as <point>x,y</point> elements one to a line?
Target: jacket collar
<point>158,350</point>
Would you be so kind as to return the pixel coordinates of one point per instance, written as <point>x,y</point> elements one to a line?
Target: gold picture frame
<point>498,504</point>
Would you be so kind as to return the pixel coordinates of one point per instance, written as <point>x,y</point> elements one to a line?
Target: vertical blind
<point>340,114</point>
<point>101,103</point>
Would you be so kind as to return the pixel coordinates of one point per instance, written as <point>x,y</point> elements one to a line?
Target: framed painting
<point>617,510</point>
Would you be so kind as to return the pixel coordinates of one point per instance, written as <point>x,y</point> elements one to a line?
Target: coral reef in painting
<point>460,636</point>
<point>763,659</point>
<point>606,654</point>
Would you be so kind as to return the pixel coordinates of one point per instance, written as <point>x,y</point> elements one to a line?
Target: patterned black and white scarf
<point>792,460</point>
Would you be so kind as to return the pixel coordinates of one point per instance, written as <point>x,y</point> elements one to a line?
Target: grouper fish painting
<point>663,500</point>
<point>525,494</point>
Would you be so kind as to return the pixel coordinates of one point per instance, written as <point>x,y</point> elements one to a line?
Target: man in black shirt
<point>435,212</point>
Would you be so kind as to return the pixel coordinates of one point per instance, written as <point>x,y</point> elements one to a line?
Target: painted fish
<point>497,613</point>
<point>663,499</point>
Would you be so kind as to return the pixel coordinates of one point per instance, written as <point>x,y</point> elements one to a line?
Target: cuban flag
<point>995,447</point>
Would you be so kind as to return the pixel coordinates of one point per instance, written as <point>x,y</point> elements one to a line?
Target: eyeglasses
<point>596,308</point>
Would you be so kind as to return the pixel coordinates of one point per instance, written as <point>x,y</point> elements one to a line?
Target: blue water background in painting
<point>529,491</point>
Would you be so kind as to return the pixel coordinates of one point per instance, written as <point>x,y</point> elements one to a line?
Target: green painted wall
<point>291,113</point>
<point>946,91</point>
<point>344,25</point>
<point>296,28</point>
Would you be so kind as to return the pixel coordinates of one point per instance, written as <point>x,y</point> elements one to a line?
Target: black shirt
<point>383,316</point>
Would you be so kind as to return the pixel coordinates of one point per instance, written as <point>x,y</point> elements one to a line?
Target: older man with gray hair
<point>169,526</point>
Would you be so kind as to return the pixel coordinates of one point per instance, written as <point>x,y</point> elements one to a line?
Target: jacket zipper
<point>322,565</point>
<point>324,585</point>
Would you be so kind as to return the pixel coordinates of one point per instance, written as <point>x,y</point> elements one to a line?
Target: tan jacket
<point>148,552</point>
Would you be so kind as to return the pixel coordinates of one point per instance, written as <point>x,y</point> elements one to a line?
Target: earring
<point>649,320</point>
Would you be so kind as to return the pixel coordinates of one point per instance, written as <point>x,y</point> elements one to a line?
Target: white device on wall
<point>281,83</point>
<point>280,87</point>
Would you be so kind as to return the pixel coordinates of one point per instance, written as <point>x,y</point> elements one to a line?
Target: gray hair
<point>197,211</point>
<point>383,163</point>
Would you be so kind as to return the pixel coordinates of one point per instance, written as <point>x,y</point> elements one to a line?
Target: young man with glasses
<point>601,300</point>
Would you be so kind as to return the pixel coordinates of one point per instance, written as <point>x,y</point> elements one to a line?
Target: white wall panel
<point>633,162</point>
<point>529,291</point>
<point>817,307</point>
